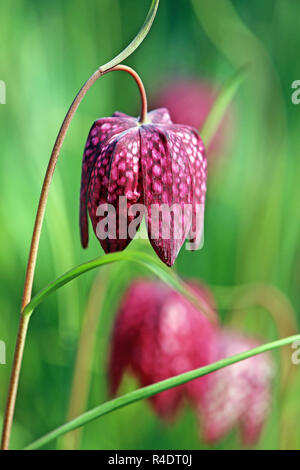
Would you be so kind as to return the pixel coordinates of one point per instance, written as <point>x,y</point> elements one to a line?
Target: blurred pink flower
<point>236,395</point>
<point>159,334</point>
<point>190,101</point>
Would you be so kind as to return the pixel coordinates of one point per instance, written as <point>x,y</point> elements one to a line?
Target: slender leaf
<point>153,389</point>
<point>147,261</point>
<point>221,104</point>
<point>136,41</point>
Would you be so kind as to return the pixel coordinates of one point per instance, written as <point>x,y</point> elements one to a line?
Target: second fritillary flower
<point>159,334</point>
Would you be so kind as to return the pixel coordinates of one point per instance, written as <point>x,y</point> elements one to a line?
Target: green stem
<point>153,389</point>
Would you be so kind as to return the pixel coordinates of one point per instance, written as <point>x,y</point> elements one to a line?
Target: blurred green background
<point>252,231</point>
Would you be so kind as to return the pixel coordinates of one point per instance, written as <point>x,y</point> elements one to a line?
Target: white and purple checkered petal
<point>160,116</point>
<point>125,182</point>
<point>166,179</point>
<point>98,186</point>
<point>115,175</point>
<point>196,158</point>
<point>101,132</point>
<point>123,116</point>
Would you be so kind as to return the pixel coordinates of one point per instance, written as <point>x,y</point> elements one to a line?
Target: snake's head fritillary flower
<point>151,168</point>
<point>159,334</point>
<point>237,395</point>
<point>190,101</point>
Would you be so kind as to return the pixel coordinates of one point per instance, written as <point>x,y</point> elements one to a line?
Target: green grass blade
<point>221,104</point>
<point>136,41</point>
<point>156,267</point>
<point>153,389</point>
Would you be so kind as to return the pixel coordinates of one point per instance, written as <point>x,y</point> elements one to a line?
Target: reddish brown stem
<point>144,110</point>
<point>31,264</point>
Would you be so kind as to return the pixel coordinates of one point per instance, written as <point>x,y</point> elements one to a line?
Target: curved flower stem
<point>144,110</point>
<point>153,389</point>
<point>14,380</point>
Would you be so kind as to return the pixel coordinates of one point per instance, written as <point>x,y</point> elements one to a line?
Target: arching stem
<point>144,109</point>
<point>31,264</point>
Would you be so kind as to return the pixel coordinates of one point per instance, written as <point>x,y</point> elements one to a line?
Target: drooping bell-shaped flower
<point>238,395</point>
<point>154,169</point>
<point>159,334</point>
